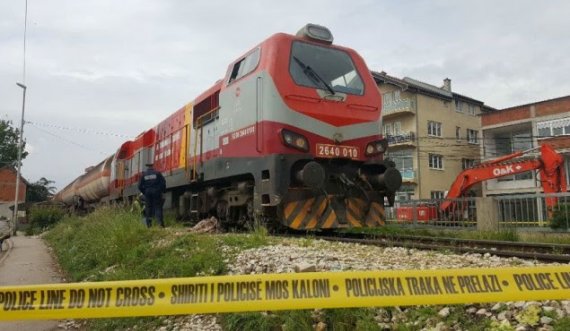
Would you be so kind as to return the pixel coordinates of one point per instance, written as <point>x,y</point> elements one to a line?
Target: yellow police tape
<point>283,292</point>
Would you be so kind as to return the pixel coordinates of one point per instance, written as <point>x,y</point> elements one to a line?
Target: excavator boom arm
<point>550,165</point>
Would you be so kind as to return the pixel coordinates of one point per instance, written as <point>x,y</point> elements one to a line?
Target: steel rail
<point>535,251</point>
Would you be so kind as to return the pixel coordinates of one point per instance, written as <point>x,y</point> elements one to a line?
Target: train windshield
<point>324,68</point>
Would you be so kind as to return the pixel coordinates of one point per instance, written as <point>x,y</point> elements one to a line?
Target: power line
<point>80,130</point>
<point>69,141</point>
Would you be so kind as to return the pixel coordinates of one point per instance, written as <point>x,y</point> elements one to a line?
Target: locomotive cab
<point>324,126</point>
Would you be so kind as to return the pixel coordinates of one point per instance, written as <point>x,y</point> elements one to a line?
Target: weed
<point>508,235</point>
<point>287,320</point>
<point>251,321</point>
<point>560,219</point>
<point>471,322</point>
<point>552,314</point>
<point>306,242</point>
<point>503,235</point>
<point>562,324</point>
<point>421,314</point>
<point>351,319</point>
<point>259,231</point>
<point>44,217</point>
<point>297,320</point>
<point>113,244</point>
<point>245,242</point>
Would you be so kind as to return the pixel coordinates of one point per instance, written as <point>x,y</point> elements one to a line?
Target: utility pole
<point>21,133</point>
<point>19,164</point>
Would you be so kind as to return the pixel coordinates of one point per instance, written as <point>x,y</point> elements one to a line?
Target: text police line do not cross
<point>220,294</point>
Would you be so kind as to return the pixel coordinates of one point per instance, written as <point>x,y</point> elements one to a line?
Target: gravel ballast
<point>293,255</point>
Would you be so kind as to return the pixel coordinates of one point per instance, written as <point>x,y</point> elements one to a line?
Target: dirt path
<point>26,260</point>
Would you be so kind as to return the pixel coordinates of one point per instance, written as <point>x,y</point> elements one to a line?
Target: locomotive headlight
<point>294,140</point>
<point>301,143</point>
<point>376,147</point>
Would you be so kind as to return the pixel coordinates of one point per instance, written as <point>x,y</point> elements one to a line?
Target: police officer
<point>152,185</point>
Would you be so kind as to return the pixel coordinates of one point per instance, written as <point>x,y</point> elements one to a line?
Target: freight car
<point>290,135</point>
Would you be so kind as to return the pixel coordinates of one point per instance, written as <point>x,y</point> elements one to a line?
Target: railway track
<point>536,251</point>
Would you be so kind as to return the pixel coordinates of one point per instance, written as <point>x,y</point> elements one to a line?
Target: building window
<point>553,128</point>
<point>387,97</point>
<point>388,129</point>
<point>522,176</point>
<point>458,106</point>
<point>390,97</point>
<point>437,195</point>
<point>434,129</point>
<point>404,161</point>
<point>507,143</point>
<point>457,133</point>
<point>397,128</point>
<point>472,136</point>
<point>471,109</point>
<point>467,163</point>
<point>435,161</point>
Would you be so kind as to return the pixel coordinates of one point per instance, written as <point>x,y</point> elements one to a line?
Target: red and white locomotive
<point>289,135</point>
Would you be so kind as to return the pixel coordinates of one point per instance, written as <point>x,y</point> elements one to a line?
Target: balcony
<point>399,106</point>
<point>408,175</point>
<point>403,139</point>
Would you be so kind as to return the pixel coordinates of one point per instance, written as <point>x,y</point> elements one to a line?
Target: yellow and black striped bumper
<point>330,212</point>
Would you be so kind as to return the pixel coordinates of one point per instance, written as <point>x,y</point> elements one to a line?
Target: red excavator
<point>550,165</point>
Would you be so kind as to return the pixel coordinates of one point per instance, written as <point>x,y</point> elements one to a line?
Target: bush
<point>43,217</point>
<point>561,217</point>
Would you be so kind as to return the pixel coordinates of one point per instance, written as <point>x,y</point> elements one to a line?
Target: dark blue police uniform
<point>152,185</point>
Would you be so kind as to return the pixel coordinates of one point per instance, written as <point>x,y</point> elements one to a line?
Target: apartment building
<point>521,128</point>
<point>433,133</point>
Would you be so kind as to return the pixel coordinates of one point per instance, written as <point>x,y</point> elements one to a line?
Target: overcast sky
<point>100,71</point>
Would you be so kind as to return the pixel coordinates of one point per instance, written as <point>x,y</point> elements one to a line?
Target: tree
<point>9,144</point>
<point>40,190</point>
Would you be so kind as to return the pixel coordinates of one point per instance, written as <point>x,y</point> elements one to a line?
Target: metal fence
<point>460,213</point>
<point>522,211</point>
<point>531,211</point>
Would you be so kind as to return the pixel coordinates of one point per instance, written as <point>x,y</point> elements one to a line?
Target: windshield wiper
<point>312,74</point>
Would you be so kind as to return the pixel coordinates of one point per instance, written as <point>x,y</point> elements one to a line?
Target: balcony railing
<point>400,105</point>
<point>404,138</point>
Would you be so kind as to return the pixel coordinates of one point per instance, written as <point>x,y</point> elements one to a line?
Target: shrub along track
<point>537,251</point>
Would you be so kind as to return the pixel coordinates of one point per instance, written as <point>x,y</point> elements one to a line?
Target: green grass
<point>113,244</point>
<point>392,230</point>
<point>359,319</point>
<point>43,217</point>
<point>562,324</point>
<point>251,321</point>
<point>502,235</point>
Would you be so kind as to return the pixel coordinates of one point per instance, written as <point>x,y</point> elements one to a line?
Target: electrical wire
<point>80,130</point>
<point>68,140</point>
